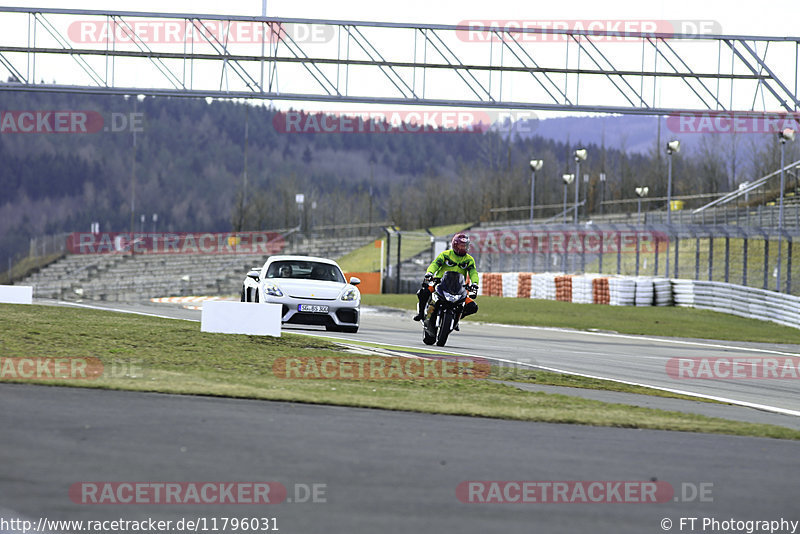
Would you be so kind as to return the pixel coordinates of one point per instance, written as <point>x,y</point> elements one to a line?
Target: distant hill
<point>631,133</point>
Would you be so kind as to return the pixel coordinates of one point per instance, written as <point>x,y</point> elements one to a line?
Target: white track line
<point>634,337</point>
<point>648,338</point>
<point>132,312</point>
<point>763,407</point>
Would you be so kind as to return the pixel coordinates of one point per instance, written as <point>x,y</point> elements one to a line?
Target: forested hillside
<point>190,160</point>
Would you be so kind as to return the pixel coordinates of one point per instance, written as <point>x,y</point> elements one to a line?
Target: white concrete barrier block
<point>16,294</point>
<point>253,318</point>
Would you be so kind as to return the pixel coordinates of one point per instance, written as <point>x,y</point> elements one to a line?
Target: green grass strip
<point>168,356</point>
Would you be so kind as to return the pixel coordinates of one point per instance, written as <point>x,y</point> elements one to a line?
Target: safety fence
<point>750,256</point>
<point>645,291</point>
<point>404,255</point>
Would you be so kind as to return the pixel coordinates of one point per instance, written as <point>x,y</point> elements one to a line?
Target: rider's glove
<point>473,289</point>
<point>428,277</point>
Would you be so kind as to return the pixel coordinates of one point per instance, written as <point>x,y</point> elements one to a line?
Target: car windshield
<point>305,270</point>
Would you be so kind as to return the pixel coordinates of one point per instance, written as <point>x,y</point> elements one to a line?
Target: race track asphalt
<point>397,472</point>
<point>388,472</point>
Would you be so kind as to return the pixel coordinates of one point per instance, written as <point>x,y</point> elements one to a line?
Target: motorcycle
<point>449,295</point>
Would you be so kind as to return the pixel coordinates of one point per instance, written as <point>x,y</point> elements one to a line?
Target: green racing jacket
<point>450,261</point>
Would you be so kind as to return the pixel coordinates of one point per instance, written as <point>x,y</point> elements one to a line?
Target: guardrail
<point>738,300</point>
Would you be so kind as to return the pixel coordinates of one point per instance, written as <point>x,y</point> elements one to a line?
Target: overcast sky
<point>776,17</point>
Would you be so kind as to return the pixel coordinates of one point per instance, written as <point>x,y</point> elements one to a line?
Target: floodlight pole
<point>577,188</point>
<point>567,179</point>
<point>782,139</point>
<point>783,185</point>
<point>535,165</point>
<point>640,192</point>
<point>602,191</point>
<point>672,147</point>
<point>639,210</point>
<point>580,154</point>
<point>533,193</point>
<point>669,188</point>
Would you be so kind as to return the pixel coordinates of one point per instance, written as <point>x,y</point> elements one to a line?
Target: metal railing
<point>725,253</point>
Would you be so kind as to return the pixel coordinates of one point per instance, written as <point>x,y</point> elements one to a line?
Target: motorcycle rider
<point>454,259</point>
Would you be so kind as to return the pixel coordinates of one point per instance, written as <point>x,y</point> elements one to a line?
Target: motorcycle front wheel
<point>445,328</point>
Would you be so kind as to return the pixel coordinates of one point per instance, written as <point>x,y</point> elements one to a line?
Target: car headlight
<point>350,294</point>
<point>272,290</point>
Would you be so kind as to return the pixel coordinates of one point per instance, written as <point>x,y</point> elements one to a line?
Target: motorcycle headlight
<point>272,290</point>
<point>350,294</point>
<point>450,297</point>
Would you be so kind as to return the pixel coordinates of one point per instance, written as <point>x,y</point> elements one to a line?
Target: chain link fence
<point>754,256</point>
<point>751,256</point>
<point>42,251</point>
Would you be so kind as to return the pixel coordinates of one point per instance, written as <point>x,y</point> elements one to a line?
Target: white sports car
<point>313,291</point>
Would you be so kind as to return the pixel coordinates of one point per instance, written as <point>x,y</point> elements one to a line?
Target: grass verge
<point>537,376</point>
<point>653,321</point>
<point>173,356</point>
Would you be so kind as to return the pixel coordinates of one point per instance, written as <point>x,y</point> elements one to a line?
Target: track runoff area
<point>716,371</point>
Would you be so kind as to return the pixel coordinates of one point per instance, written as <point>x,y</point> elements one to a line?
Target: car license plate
<point>312,308</point>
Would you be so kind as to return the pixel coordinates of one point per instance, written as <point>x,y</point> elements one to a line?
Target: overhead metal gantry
<point>467,64</point>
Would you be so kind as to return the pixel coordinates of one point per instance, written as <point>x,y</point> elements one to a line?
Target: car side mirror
<point>254,274</point>
<point>355,281</point>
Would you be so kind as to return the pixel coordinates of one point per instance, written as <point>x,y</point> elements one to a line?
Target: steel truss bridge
<point>466,64</point>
